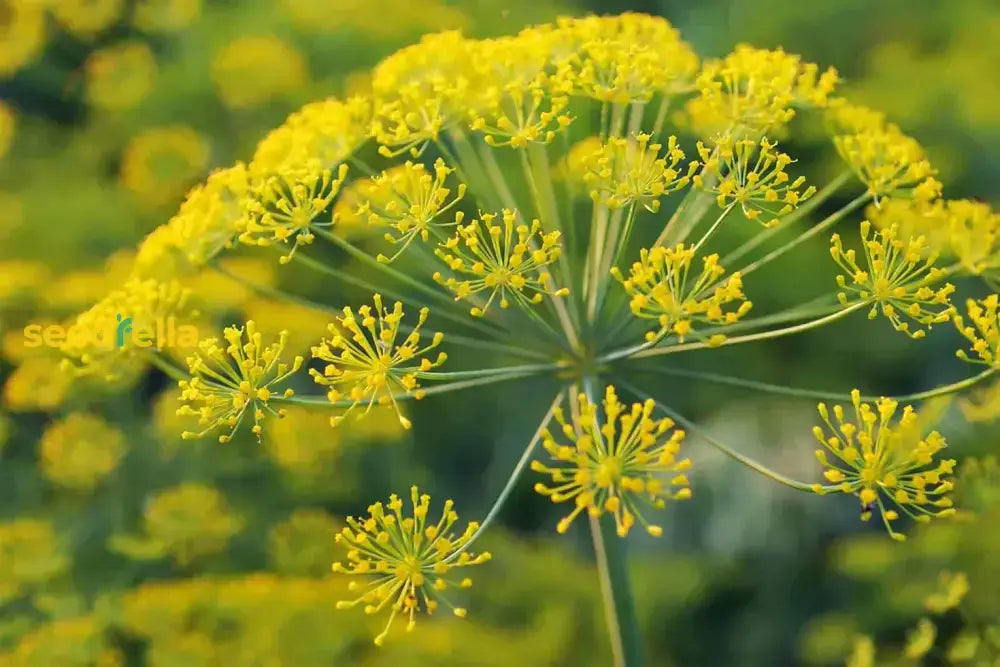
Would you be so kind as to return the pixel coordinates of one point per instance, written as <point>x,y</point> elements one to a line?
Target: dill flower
<point>22,34</point>
<point>631,170</point>
<point>230,382</point>
<point>659,289</point>
<point>120,76</point>
<point>159,164</point>
<point>613,463</point>
<point>292,442</point>
<point>80,450</point>
<point>65,641</point>
<point>301,545</point>
<point>186,523</point>
<point>973,230</point>
<point>410,201</point>
<point>898,279</point>
<point>86,18</point>
<point>205,224</point>
<point>8,123</point>
<point>982,331</point>
<point>30,555</point>
<point>365,363</point>
<point>882,461</point>
<point>37,384</point>
<point>409,558</point>
<point>165,15</point>
<point>288,205</point>
<point>250,71</point>
<point>574,168</point>
<point>752,175</point>
<point>506,259</point>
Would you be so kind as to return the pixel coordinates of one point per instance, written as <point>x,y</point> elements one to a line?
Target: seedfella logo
<point>162,333</point>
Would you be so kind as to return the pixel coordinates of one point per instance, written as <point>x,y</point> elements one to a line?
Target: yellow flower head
<point>366,364</point>
<point>954,587</point>
<point>165,15</point>
<point>285,207</point>
<point>613,463</point>
<point>120,76</point>
<point>86,18</point>
<point>229,382</point>
<point>301,545</point>
<point>887,161</point>
<point>205,224</point>
<point>982,330</point>
<point>574,168</point>
<point>631,170</point>
<point>146,302</point>
<point>899,279</point>
<point>30,555</point>
<point>80,450</point>
<point>22,34</point>
<point>8,122</point>
<point>159,164</point>
<point>408,559</point>
<point>503,258</point>
<point>913,218</point>
<point>753,90</point>
<point>753,175</point>
<point>249,72</point>
<point>973,230</point>
<point>659,290</point>
<point>623,59</point>
<point>883,460</point>
<point>410,200</point>
<point>37,384</point>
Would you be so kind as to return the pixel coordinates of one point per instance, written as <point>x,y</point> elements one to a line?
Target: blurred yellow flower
<point>120,76</point>
<point>8,122</point>
<point>251,71</point>
<point>159,164</point>
<point>165,15</point>
<point>302,443</point>
<point>80,450</point>
<point>85,18</point>
<point>38,383</point>
<point>74,290</point>
<point>303,323</point>
<point>387,19</point>
<point>22,34</point>
<point>302,545</point>
<point>11,214</point>
<point>187,523</point>
<point>20,278</point>
<point>218,292</point>
<point>30,555</point>
<point>67,642</point>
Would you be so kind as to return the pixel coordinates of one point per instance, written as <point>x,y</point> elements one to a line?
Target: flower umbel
<point>900,279</point>
<point>230,381</point>
<point>659,289</point>
<point>984,331</point>
<point>612,463</point>
<point>752,175</point>
<point>881,461</point>
<point>408,558</point>
<point>625,171</point>
<point>366,364</point>
<point>504,258</point>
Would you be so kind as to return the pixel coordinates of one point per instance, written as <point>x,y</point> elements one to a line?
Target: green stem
<point>171,371</point>
<point>616,590</point>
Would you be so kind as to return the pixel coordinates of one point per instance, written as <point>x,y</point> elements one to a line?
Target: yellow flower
<point>186,523</point>
<point>120,76</point>
<point>8,122</point>
<point>983,332</point>
<point>752,90</point>
<point>408,558</point>
<point>230,382</point>
<point>251,71</point>
<point>631,171</point>
<point>301,544</point>
<point>22,34</point>
<point>887,161</point>
<point>862,652</point>
<point>204,225</point>
<point>954,587</point>
<point>66,641</point>
<point>973,234</point>
<point>614,462</point>
<point>30,555</point>
<point>86,18</point>
<point>365,363</point>
<point>80,450</point>
<point>659,289</point>
<point>575,165</point>
<point>301,321</point>
<point>882,462</point>
<point>752,175</point>
<point>920,640</point>
<point>900,279</point>
<point>302,443</point>
<point>982,404</point>
<point>20,278</point>
<point>37,384</point>
<point>165,15</point>
<point>505,259</point>
<point>410,201</point>
<point>159,164</point>
<point>75,290</point>
<point>285,207</point>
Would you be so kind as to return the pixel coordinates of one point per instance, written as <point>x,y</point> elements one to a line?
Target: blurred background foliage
<point>120,544</point>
